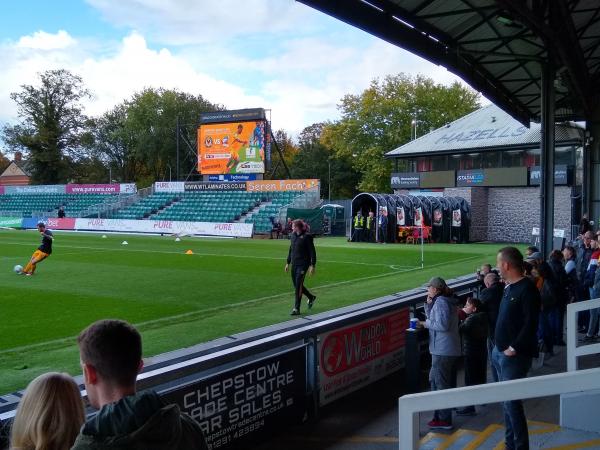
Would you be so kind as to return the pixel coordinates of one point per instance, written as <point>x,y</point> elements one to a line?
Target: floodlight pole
<point>177,145</point>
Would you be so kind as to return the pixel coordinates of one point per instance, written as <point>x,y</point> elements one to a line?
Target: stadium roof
<point>487,129</point>
<point>497,46</point>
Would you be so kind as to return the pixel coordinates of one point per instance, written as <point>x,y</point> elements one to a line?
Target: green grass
<point>179,300</point>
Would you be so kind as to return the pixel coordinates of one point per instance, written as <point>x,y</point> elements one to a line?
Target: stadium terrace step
<point>541,436</point>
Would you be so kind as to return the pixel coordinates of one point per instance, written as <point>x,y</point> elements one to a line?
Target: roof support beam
<point>560,36</point>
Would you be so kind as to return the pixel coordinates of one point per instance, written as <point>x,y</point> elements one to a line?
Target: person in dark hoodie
<point>111,358</point>
<point>474,332</point>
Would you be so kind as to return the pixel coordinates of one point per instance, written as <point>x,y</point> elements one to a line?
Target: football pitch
<point>177,299</point>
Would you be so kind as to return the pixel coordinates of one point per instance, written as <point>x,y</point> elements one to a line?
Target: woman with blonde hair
<point>49,415</point>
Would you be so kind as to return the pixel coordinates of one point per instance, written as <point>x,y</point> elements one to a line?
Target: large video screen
<point>234,147</point>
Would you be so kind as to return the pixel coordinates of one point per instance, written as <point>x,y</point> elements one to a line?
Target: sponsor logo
<point>163,224</point>
<point>223,226</point>
<point>95,222</point>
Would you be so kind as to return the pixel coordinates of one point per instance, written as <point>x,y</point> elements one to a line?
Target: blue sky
<point>276,54</point>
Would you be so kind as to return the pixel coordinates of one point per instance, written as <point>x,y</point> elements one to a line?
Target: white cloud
<point>41,40</point>
<point>301,80</point>
<point>191,21</point>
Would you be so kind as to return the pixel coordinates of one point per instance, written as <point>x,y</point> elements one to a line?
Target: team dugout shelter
<point>493,162</point>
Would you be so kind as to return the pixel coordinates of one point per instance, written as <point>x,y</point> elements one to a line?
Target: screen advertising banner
<point>231,148</point>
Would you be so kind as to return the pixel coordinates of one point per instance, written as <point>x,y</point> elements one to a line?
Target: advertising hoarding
<point>167,227</point>
<point>405,180</point>
<point>506,176</point>
<point>231,148</point>
<point>355,356</point>
<point>561,175</point>
<point>11,222</point>
<point>248,401</point>
<point>169,186</point>
<point>41,189</point>
<point>232,177</point>
<point>202,186</point>
<point>281,185</point>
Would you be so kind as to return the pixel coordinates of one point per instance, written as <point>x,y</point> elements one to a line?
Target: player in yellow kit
<point>42,252</point>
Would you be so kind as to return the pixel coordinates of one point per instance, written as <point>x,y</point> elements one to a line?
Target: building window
<point>512,158</point>
<point>423,165</point>
<point>491,160</point>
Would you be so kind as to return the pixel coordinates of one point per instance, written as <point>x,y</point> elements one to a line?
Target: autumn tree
<point>52,125</point>
<point>381,119</point>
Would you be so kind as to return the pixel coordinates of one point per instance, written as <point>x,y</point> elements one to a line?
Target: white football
<point>18,268</point>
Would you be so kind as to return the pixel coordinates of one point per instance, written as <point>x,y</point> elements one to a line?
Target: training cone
<point>124,243</point>
<point>103,236</point>
<point>189,252</point>
<point>177,240</point>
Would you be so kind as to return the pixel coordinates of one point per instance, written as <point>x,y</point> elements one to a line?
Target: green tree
<point>289,151</point>
<point>138,138</point>
<point>4,163</point>
<point>315,160</point>
<point>52,125</point>
<point>380,119</point>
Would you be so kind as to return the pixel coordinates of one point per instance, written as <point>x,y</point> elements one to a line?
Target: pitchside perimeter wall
<point>242,387</point>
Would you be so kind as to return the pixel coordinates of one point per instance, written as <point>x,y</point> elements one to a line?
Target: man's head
<point>510,262</point>
<point>486,268</point>
<point>472,305</point>
<point>535,258</point>
<point>490,279</point>
<point>299,226</point>
<point>41,226</point>
<point>111,358</point>
<point>531,249</point>
<point>240,127</point>
<point>588,237</point>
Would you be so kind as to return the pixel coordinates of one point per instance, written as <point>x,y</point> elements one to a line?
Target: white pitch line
<point>198,254</point>
<point>225,307</point>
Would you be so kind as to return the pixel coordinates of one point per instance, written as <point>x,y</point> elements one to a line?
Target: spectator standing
<point>571,271</point>
<point>111,357</point>
<point>382,222</point>
<point>303,258</point>
<point>549,291</point>
<point>516,340</point>
<point>584,224</point>
<point>289,228</point>
<point>49,414</point>
<point>584,253</point>
<point>444,345</point>
<point>490,299</point>
<point>359,223</point>
<point>482,272</point>
<point>474,333</point>
<point>592,330</point>
<point>61,213</point>
<point>370,227</point>
<point>557,265</point>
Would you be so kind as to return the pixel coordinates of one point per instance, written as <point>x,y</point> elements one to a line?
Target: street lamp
<point>329,179</point>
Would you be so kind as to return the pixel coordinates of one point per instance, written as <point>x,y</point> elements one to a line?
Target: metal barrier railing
<point>409,406</point>
<point>574,351</point>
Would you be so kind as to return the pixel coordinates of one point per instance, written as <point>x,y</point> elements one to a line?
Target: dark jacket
<point>562,281</point>
<point>474,333</point>
<point>302,251</point>
<point>140,421</point>
<point>583,259</point>
<point>518,318</point>
<point>491,297</point>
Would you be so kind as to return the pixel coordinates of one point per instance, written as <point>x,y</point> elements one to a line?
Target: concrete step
<point>541,436</point>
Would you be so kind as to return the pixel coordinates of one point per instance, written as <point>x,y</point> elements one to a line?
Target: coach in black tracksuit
<point>303,258</point>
